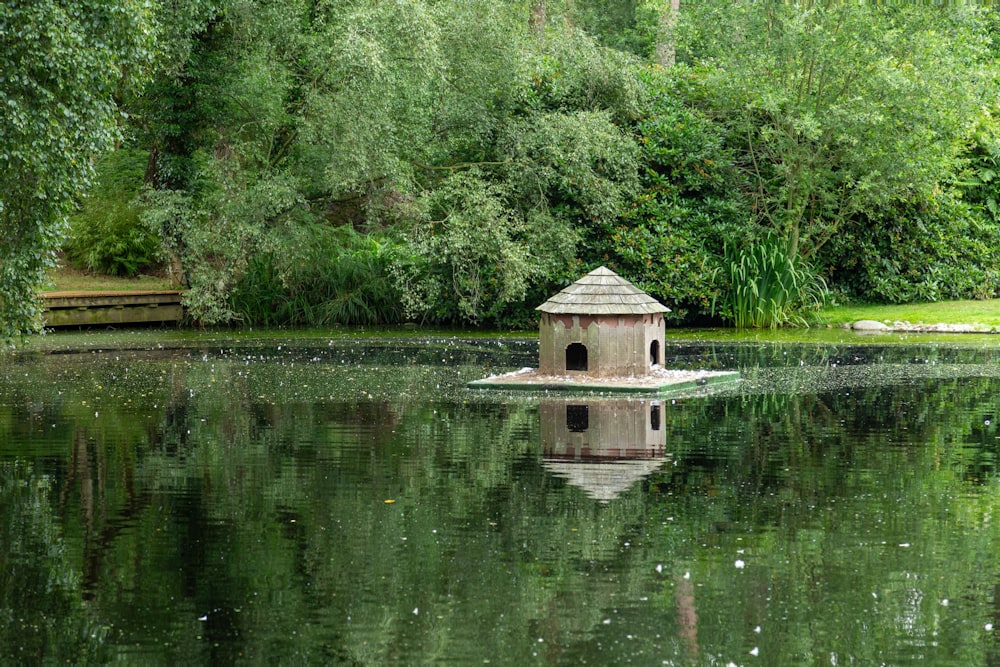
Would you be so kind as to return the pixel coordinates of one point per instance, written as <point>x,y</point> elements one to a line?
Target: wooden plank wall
<point>620,348</point>
<point>617,428</point>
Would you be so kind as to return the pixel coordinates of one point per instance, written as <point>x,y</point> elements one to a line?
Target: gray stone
<point>869,325</point>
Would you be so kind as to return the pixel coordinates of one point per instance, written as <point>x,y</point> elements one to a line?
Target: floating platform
<point>68,309</point>
<point>658,381</point>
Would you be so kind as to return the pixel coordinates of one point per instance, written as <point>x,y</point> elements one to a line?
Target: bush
<point>928,251</point>
<point>474,257</point>
<point>106,234</point>
<point>669,241</point>
<point>767,286</point>
<point>318,276</point>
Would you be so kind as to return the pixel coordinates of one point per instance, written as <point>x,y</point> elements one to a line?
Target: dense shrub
<point>473,256</point>
<point>928,251</point>
<point>317,276</point>
<point>669,238</point>
<point>106,233</point>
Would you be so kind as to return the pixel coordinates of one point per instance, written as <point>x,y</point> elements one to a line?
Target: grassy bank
<point>944,312</point>
<point>66,279</point>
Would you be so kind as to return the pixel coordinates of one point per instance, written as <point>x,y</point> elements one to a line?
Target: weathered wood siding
<point>617,428</point>
<point>104,308</point>
<point>617,345</point>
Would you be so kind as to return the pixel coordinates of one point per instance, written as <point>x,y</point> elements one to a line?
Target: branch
<point>457,166</point>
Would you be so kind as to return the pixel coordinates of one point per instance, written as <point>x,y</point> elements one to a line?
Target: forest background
<point>313,162</point>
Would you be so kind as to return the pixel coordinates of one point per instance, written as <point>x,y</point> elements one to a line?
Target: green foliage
<point>670,238</point>
<point>61,64</point>
<point>768,286</point>
<point>106,235</point>
<point>568,70</point>
<point>837,110</point>
<point>632,26</point>
<point>979,181</point>
<point>318,276</point>
<point>397,120</point>
<point>579,164</point>
<point>506,155</point>
<point>929,251</point>
<point>216,233</point>
<point>473,257</point>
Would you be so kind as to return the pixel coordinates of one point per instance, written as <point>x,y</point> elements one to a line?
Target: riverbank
<point>940,316</point>
<point>66,279</point>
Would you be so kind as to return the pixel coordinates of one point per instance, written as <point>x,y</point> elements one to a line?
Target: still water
<point>339,501</point>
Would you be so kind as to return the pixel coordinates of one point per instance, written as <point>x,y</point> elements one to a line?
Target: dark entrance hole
<point>654,352</point>
<point>577,418</point>
<point>576,357</point>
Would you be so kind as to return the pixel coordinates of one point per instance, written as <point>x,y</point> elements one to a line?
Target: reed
<point>768,288</point>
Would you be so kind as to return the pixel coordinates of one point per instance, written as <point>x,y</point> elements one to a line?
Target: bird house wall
<point>617,346</point>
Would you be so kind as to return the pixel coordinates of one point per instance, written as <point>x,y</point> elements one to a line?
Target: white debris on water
<point>655,378</point>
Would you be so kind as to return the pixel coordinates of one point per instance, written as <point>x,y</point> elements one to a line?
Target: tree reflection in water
<point>229,504</point>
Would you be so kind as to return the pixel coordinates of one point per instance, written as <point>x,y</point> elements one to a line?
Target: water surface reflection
<point>602,445</point>
<point>352,502</point>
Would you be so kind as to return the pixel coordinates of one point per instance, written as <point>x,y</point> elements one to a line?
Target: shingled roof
<point>602,292</point>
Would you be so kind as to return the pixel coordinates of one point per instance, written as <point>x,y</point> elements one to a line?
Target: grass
<point>67,279</point>
<point>944,312</point>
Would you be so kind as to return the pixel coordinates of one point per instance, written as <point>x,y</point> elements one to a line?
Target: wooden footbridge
<point>70,309</point>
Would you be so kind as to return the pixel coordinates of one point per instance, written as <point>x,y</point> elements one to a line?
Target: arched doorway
<point>576,357</point>
<point>654,353</point>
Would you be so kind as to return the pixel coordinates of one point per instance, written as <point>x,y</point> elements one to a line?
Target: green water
<point>288,500</point>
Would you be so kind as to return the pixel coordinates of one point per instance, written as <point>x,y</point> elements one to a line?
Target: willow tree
<point>62,63</point>
<point>836,109</point>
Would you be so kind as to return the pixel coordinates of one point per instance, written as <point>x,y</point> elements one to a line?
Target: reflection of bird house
<point>602,428</point>
<point>602,446</point>
<point>601,325</point>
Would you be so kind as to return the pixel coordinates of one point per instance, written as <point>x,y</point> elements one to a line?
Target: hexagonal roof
<point>602,292</point>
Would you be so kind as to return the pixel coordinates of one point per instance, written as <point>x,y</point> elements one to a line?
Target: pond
<point>197,499</point>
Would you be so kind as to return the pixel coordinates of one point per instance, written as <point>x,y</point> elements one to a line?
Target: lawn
<point>943,312</point>
<point>66,279</point>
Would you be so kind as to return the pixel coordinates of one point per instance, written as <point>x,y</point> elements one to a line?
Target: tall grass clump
<point>319,276</point>
<point>768,287</point>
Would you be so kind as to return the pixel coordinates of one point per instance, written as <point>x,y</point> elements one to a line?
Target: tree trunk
<point>537,19</point>
<point>666,49</point>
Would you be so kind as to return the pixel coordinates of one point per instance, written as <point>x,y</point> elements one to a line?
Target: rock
<point>869,325</point>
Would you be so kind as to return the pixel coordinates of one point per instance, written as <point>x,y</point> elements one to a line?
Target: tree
<point>666,48</point>
<point>397,119</point>
<point>62,64</point>
<point>837,109</point>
